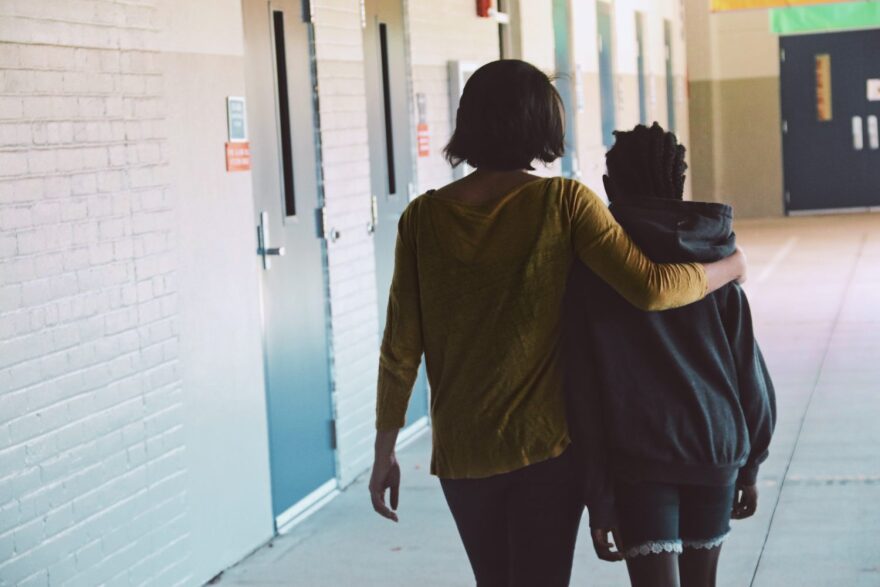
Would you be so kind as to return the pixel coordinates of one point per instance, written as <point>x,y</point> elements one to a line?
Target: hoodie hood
<point>678,231</point>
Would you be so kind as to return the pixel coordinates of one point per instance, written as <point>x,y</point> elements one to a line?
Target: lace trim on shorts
<point>706,544</point>
<point>654,547</point>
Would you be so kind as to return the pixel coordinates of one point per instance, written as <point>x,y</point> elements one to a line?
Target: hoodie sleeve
<point>756,393</point>
<point>584,410</point>
<point>602,245</point>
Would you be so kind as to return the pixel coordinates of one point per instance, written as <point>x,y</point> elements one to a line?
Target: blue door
<point>391,152</point>
<point>670,77</point>
<point>291,253</point>
<point>831,155</point>
<point>640,68</point>
<point>606,72</point>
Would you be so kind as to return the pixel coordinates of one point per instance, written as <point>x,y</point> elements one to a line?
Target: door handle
<point>873,133</point>
<point>263,248</point>
<point>858,133</point>
<point>374,215</point>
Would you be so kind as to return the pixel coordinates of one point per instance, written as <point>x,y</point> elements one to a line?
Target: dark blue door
<point>391,152</point>
<point>285,159</point>
<point>606,72</point>
<point>831,156</point>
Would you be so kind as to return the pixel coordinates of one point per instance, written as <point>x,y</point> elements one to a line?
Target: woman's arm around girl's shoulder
<point>601,244</point>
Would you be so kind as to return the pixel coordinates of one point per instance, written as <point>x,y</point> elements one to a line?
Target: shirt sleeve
<point>402,345</point>
<point>602,245</point>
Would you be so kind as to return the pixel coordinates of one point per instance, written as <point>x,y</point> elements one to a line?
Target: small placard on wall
<point>874,90</point>
<point>236,119</point>
<point>238,156</point>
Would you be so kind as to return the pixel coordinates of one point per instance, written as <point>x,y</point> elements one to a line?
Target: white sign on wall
<point>874,90</point>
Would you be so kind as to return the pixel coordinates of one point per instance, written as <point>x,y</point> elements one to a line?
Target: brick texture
<point>91,449</point>
<point>351,260</point>
<point>440,32</point>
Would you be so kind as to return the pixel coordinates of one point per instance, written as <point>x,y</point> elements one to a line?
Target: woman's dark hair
<point>645,162</point>
<point>509,115</point>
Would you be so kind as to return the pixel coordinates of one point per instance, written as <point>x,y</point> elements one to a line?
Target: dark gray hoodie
<point>681,396</point>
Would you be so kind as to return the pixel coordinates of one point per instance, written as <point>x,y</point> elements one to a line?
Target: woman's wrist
<point>385,442</point>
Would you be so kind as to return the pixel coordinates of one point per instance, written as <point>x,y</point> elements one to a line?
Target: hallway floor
<point>814,286</point>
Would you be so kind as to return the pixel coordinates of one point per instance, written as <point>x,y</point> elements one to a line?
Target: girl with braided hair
<point>671,413</point>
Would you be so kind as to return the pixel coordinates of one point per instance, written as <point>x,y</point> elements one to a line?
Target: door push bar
<point>264,250</point>
<point>859,134</point>
<point>873,134</point>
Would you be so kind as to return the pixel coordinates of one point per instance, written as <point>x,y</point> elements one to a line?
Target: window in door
<point>283,102</point>
<point>386,97</point>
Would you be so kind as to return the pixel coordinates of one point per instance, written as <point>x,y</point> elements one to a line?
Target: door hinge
<point>785,127</point>
<point>323,227</point>
<point>787,197</point>
<point>333,434</point>
<point>782,55</point>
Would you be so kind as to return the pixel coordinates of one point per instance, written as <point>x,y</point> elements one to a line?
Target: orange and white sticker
<point>238,156</point>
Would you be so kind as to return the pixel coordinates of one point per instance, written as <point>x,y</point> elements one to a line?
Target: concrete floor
<point>815,292</point>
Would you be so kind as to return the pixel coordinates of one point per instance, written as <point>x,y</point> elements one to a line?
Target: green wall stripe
<point>827,17</point>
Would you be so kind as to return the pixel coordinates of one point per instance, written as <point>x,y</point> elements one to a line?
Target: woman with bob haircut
<point>481,267</point>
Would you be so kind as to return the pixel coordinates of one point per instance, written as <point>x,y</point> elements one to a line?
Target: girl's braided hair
<point>646,162</point>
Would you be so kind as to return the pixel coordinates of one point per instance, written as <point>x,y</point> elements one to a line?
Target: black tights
<point>519,529</point>
<point>695,567</point>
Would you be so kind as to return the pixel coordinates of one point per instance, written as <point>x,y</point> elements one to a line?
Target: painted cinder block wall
<point>736,147</point>
<point>93,483</point>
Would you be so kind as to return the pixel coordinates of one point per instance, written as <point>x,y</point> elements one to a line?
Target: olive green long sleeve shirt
<point>478,289</point>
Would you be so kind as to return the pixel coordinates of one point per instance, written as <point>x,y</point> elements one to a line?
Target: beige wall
<point>736,143</point>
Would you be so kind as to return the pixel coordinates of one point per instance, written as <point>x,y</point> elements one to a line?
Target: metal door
<point>670,77</point>
<point>280,92</point>
<point>606,72</point>
<point>640,67</point>
<point>831,156</point>
<point>391,150</point>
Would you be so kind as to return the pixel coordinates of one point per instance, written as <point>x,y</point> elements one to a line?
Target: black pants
<point>519,528</point>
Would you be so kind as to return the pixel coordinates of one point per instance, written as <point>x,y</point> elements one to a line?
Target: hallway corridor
<point>814,286</point>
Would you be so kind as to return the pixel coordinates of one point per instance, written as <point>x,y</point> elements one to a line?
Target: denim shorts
<point>654,518</point>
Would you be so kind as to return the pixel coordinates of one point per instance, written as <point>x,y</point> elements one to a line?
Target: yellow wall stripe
<point>723,5</point>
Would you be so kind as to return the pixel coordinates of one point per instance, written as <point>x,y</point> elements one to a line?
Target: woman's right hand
<point>745,265</point>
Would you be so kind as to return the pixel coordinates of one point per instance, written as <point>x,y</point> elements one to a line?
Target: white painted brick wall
<point>91,450</point>
<point>351,260</point>
<point>442,31</point>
